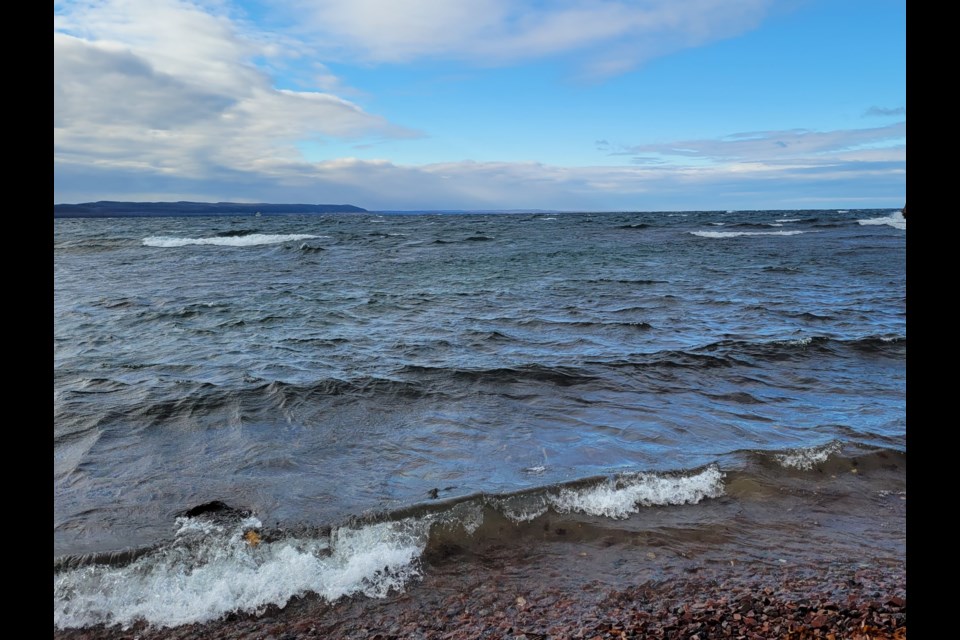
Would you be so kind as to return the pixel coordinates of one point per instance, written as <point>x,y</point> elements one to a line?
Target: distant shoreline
<point>111,209</point>
<point>114,209</point>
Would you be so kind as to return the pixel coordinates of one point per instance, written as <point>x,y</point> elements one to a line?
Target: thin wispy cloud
<point>885,112</point>
<point>765,146</point>
<point>610,37</point>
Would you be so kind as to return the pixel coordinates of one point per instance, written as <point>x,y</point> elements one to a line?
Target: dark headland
<point>110,209</point>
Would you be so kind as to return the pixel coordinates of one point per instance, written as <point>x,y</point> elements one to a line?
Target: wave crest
<point>246,240</point>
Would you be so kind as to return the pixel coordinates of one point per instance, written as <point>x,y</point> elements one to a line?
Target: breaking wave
<point>245,240</point>
<point>895,220</point>
<point>734,234</point>
<point>215,565</point>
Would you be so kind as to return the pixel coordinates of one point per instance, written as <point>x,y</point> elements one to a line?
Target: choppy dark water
<point>362,386</point>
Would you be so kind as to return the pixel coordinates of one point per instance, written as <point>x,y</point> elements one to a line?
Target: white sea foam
<point>250,240</point>
<point>210,572</point>
<point>884,493</point>
<point>627,494</point>
<point>895,220</point>
<point>734,234</point>
<point>787,220</point>
<point>806,459</point>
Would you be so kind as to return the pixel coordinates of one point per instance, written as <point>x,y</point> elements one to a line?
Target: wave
<point>624,495</point>
<point>895,220</point>
<point>233,233</point>
<point>807,315</point>
<point>210,570</point>
<point>603,281</point>
<point>215,565</point>
<point>306,248</point>
<point>727,353</point>
<point>537,322</point>
<point>225,561</point>
<point>244,240</point>
<point>195,403</point>
<point>562,376</point>
<point>782,269</point>
<point>94,245</point>
<point>807,458</point>
<point>832,457</point>
<point>755,225</point>
<point>734,234</point>
<point>807,344</point>
<point>477,238</point>
<point>489,336</point>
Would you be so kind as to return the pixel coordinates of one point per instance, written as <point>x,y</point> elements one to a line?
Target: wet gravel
<point>462,600</point>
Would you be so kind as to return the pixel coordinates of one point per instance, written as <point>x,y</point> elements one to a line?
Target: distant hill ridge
<point>111,209</point>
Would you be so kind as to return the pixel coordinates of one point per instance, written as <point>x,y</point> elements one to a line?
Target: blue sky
<point>483,104</point>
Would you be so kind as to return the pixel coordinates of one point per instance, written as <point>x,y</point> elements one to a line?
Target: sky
<point>570,105</point>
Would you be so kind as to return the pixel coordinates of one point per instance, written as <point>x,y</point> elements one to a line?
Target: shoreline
<point>504,592</point>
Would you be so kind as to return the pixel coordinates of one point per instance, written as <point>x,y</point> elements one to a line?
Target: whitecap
<point>807,459</point>
<point>895,220</point>
<point>734,234</point>
<point>627,494</point>
<point>250,240</point>
<point>211,570</point>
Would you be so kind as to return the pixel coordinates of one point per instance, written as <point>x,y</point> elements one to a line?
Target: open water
<point>346,392</point>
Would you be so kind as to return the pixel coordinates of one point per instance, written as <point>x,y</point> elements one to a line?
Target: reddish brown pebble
<point>818,621</point>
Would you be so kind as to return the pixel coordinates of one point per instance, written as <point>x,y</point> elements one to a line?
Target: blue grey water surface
<point>314,367</point>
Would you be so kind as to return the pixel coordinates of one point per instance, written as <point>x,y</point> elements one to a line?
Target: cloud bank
<point>171,100</point>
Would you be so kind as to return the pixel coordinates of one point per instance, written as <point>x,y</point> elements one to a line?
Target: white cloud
<point>178,38</point>
<point>107,83</point>
<point>610,35</point>
<point>163,84</point>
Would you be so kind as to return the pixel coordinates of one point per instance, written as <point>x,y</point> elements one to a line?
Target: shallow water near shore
<point>373,394</point>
